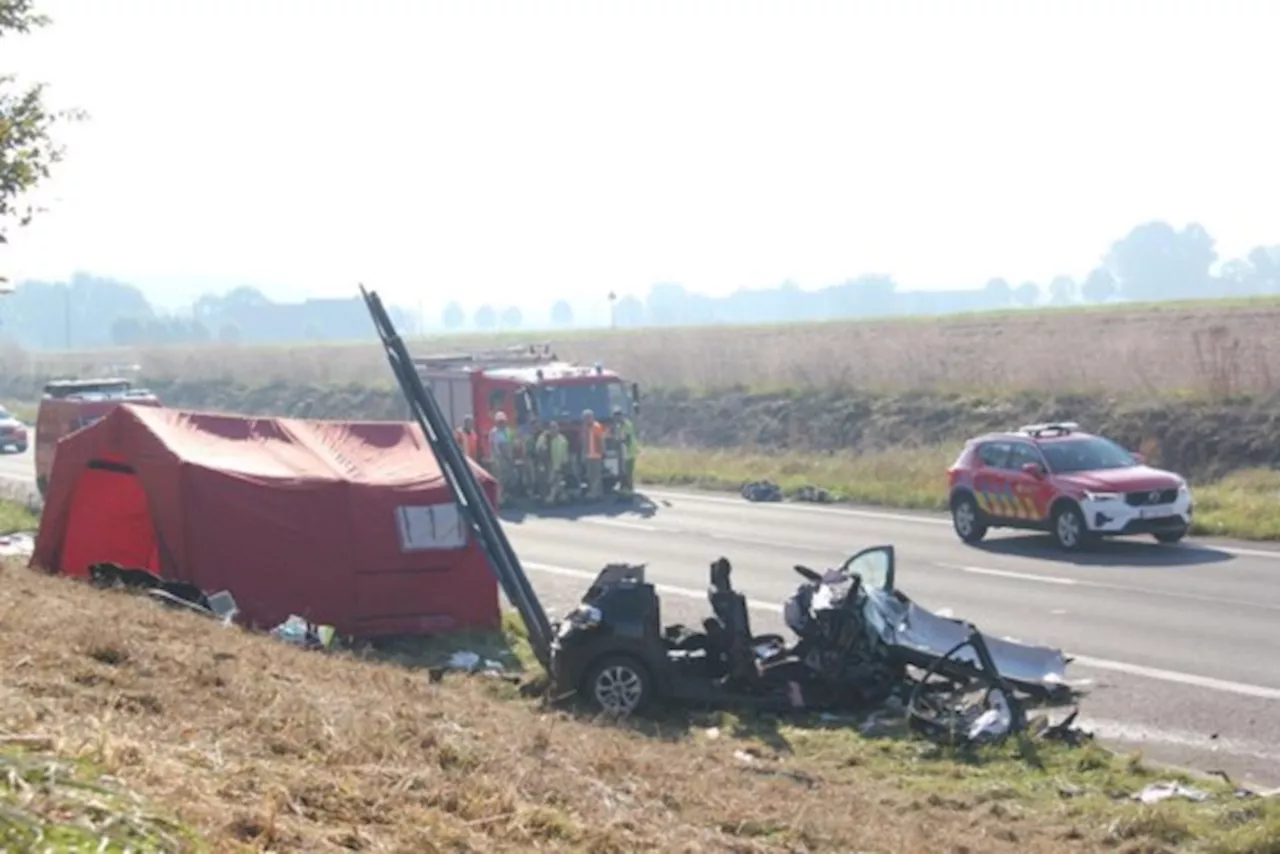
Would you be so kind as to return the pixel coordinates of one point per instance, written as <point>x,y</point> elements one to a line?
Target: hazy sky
<point>518,152</point>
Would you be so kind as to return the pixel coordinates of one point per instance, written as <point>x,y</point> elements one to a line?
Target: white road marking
<point>1273,554</point>
<point>668,589</point>
<point>1132,733</point>
<point>1005,573</point>
<point>805,508</point>
<point>1103,585</point>
<point>706,535</point>
<point>1191,679</point>
<point>1209,682</point>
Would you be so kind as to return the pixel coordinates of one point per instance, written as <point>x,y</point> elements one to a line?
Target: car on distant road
<point>14,434</point>
<point>1077,486</point>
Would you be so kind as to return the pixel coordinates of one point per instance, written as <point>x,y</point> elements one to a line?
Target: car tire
<point>1068,528</point>
<point>967,519</point>
<point>22,449</point>
<point>618,686</point>
<point>1170,537</point>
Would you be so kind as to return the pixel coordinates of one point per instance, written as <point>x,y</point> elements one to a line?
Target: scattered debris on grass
<point>255,745</point>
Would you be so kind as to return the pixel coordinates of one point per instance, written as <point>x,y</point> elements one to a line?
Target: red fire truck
<point>527,381</point>
<point>68,405</point>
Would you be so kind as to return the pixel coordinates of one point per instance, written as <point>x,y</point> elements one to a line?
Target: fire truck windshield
<point>567,402</point>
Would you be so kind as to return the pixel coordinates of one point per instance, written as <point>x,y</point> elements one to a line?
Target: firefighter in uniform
<point>593,433</point>
<point>553,446</point>
<point>533,467</point>
<point>467,437</point>
<point>626,432</point>
<point>501,457</point>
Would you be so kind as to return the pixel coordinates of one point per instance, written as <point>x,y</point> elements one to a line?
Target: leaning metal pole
<point>467,492</point>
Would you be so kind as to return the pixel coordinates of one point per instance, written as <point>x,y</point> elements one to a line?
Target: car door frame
<point>1033,494</point>
<point>991,481</point>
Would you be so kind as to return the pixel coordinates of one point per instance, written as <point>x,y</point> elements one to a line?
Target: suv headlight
<point>1102,496</point>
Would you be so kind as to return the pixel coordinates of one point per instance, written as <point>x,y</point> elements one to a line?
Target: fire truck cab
<point>525,382</point>
<point>68,405</point>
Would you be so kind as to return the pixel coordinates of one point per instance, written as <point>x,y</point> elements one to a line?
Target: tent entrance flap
<point>109,520</point>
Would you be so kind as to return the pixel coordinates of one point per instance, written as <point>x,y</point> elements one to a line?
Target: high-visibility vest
<point>467,441</point>
<point>594,441</point>
<point>559,452</point>
<point>629,436</point>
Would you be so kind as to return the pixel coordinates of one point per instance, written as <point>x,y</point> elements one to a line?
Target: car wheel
<point>1170,537</point>
<point>22,449</point>
<point>618,686</point>
<point>967,519</point>
<point>1069,530</point>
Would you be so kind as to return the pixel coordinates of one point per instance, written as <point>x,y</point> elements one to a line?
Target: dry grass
<point>254,745</point>
<point>1221,348</point>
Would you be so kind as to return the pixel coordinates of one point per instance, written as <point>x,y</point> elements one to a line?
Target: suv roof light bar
<point>1060,427</point>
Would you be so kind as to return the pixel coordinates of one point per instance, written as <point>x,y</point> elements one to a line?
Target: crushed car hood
<point>922,634</point>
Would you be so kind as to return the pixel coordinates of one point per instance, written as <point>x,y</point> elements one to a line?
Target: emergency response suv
<point>1077,486</point>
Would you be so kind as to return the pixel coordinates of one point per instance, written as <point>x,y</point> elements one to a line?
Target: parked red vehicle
<point>1075,485</point>
<point>68,405</point>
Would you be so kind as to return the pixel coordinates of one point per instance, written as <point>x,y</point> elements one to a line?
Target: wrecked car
<point>859,641</point>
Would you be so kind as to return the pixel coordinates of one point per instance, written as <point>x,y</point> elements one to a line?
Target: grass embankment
<point>1244,504</point>
<point>256,745</point>
<point>16,517</point>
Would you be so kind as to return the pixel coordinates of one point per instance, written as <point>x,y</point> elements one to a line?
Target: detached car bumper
<point>1115,515</point>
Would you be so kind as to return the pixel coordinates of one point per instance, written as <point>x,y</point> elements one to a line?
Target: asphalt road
<point>1177,646</point>
<point>18,476</point>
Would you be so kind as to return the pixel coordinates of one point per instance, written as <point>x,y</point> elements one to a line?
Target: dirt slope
<point>256,745</point>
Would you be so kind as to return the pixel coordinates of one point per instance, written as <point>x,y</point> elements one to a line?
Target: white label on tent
<point>434,526</point>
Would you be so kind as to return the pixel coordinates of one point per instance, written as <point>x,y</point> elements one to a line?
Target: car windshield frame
<point>1106,456</point>
<point>566,401</point>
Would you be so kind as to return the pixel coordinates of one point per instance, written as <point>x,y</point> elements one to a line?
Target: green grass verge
<point>1245,504</point>
<point>16,517</point>
<point>1071,791</point>
<point>24,412</point>
<point>48,804</point>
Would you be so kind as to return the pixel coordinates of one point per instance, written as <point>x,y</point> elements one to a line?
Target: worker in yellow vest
<point>553,447</point>
<point>626,432</point>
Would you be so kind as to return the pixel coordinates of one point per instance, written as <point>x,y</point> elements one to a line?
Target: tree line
<point>1153,261</point>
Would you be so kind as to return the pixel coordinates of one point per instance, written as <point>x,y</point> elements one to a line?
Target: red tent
<point>347,524</point>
